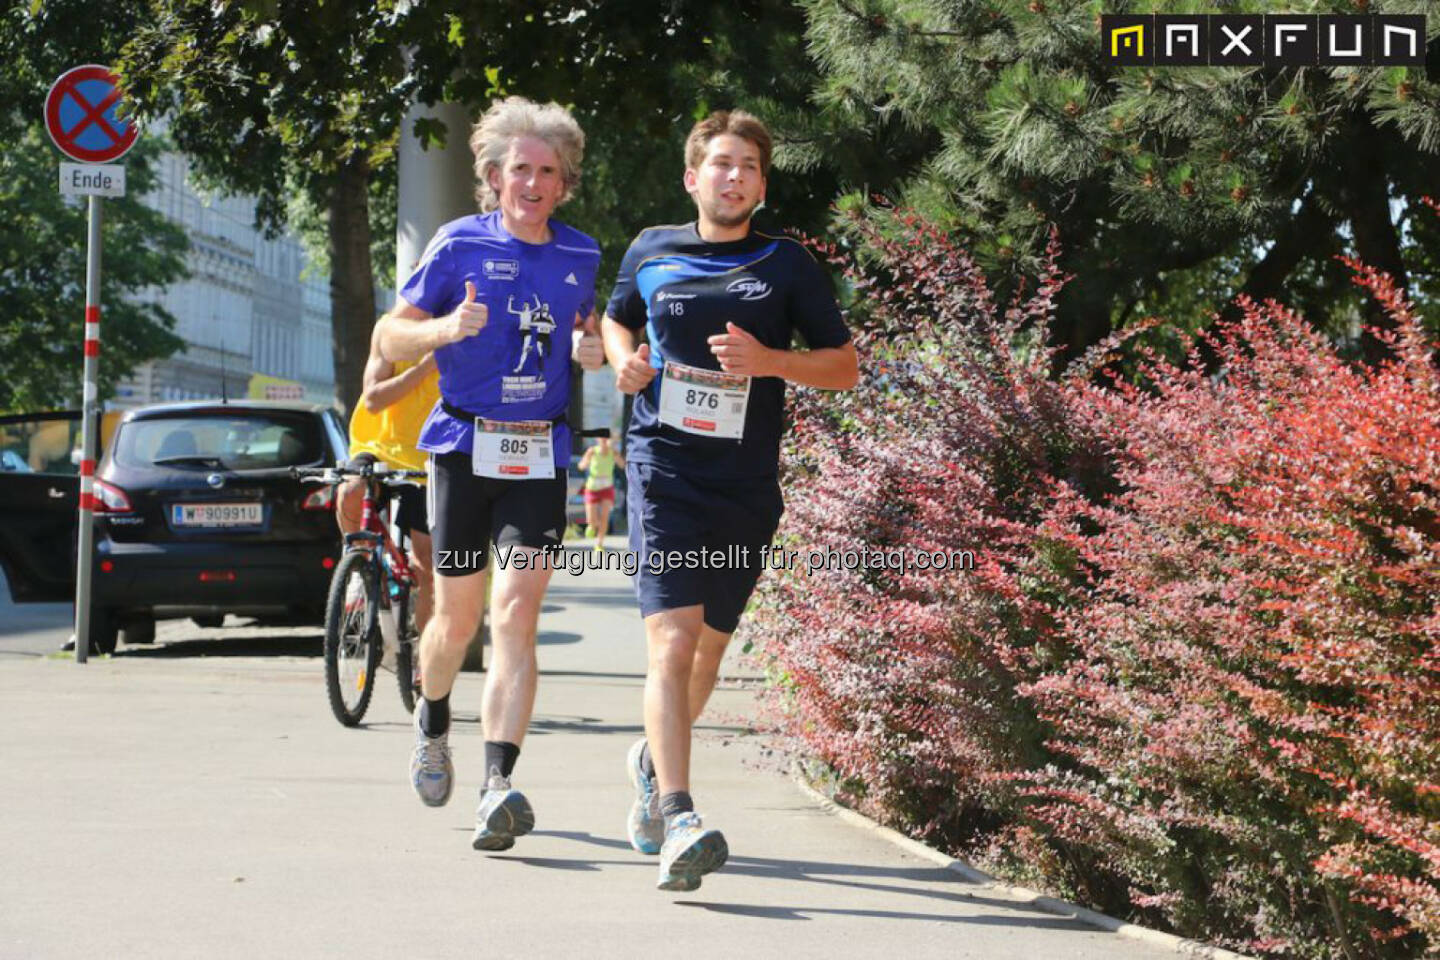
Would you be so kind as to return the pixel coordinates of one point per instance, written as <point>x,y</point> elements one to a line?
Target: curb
<point>1155,938</point>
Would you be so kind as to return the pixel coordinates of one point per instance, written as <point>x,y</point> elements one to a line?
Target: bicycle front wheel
<point>407,651</point>
<point>352,637</point>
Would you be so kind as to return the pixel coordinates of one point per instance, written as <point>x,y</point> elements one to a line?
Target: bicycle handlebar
<point>370,471</point>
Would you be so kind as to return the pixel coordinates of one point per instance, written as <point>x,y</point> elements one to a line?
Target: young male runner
<point>719,303</point>
<point>507,287</point>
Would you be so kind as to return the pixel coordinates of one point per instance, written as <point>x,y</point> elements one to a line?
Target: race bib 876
<point>707,403</point>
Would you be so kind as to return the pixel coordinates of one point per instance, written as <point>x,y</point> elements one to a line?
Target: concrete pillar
<point>435,185</point>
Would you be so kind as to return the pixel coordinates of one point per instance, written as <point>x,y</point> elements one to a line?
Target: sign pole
<point>90,431</point>
<point>81,118</point>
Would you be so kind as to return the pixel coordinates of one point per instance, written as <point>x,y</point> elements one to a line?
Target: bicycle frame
<point>375,532</point>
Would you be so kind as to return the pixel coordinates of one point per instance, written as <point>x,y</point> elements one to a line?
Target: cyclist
<point>488,299</point>
<point>721,302</point>
<point>394,401</point>
<point>599,462</point>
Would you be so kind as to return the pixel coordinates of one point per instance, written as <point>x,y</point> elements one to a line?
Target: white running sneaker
<point>431,772</point>
<point>689,852</point>
<point>646,826</point>
<point>503,815</point>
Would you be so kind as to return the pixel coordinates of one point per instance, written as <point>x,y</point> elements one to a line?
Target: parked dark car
<point>197,516</point>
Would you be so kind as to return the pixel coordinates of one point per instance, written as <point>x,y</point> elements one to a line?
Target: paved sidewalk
<point>165,805</point>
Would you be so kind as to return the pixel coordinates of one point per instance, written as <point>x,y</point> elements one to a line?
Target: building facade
<point>254,321</point>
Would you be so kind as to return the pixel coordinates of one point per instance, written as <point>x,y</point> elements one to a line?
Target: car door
<point>39,497</point>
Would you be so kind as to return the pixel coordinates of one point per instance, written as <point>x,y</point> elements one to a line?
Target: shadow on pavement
<point>555,724</point>
<point>593,674</point>
<point>308,645</point>
<point>848,875</point>
<point>807,913</point>
<point>590,597</point>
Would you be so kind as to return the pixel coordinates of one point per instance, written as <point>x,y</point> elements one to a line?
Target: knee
<point>349,504</point>
<point>511,609</point>
<point>451,632</point>
<point>672,654</point>
<point>709,655</point>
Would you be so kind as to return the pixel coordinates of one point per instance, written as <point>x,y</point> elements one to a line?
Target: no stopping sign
<point>80,115</point>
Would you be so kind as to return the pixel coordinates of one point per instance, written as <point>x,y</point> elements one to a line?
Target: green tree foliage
<point>42,243</point>
<point>1166,183</point>
<point>270,98</point>
<point>279,97</point>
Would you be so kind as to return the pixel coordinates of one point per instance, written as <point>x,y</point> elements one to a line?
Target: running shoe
<point>431,772</point>
<point>646,826</point>
<point>503,815</point>
<point>690,851</point>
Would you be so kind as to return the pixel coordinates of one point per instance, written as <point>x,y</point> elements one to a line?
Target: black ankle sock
<point>500,756</point>
<point>435,716</point>
<point>674,804</point>
<point>647,762</point>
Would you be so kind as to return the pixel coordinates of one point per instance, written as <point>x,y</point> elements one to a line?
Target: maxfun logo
<point>1240,40</point>
<point>749,288</point>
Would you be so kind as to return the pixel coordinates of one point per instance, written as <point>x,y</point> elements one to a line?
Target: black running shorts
<point>468,513</point>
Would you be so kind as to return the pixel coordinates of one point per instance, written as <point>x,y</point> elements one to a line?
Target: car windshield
<point>252,440</point>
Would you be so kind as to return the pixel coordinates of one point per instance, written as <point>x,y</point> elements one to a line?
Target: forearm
<point>406,339</point>
<point>385,392</point>
<point>828,368</point>
<point>620,342</point>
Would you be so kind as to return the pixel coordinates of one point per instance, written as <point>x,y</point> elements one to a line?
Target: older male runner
<point>496,297</point>
<point>719,303</point>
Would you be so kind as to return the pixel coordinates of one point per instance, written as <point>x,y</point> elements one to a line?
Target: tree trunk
<point>1308,236</point>
<point>1367,204</point>
<point>352,285</point>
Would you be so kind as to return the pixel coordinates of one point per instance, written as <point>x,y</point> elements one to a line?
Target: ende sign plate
<point>85,179</point>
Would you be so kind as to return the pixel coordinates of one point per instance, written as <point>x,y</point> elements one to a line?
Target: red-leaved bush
<point>1194,674</point>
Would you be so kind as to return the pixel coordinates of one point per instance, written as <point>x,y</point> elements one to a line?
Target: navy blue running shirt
<point>683,290</point>
<point>518,366</point>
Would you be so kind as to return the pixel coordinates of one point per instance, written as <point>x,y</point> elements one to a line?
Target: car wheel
<point>140,629</point>
<point>209,620</point>
<point>103,631</point>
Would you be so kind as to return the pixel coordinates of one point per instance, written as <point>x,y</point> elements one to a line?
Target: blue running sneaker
<point>689,852</point>
<point>646,826</point>
<point>503,815</point>
<point>431,772</point>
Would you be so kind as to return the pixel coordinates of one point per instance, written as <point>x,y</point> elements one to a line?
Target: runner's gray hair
<point>517,117</point>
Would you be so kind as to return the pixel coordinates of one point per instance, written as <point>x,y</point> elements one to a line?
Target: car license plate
<point>217,514</point>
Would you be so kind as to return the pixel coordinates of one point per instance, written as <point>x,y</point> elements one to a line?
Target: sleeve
<point>626,304</point>
<point>813,309</point>
<point>432,285</point>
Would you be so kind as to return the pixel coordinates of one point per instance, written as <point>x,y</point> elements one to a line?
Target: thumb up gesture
<point>586,348</point>
<point>468,319</point>
<point>637,373</point>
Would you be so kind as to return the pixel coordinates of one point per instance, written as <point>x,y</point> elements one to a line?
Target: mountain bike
<point>370,599</point>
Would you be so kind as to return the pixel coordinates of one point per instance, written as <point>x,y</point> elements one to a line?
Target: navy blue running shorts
<point>698,541</point>
<point>468,513</point>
